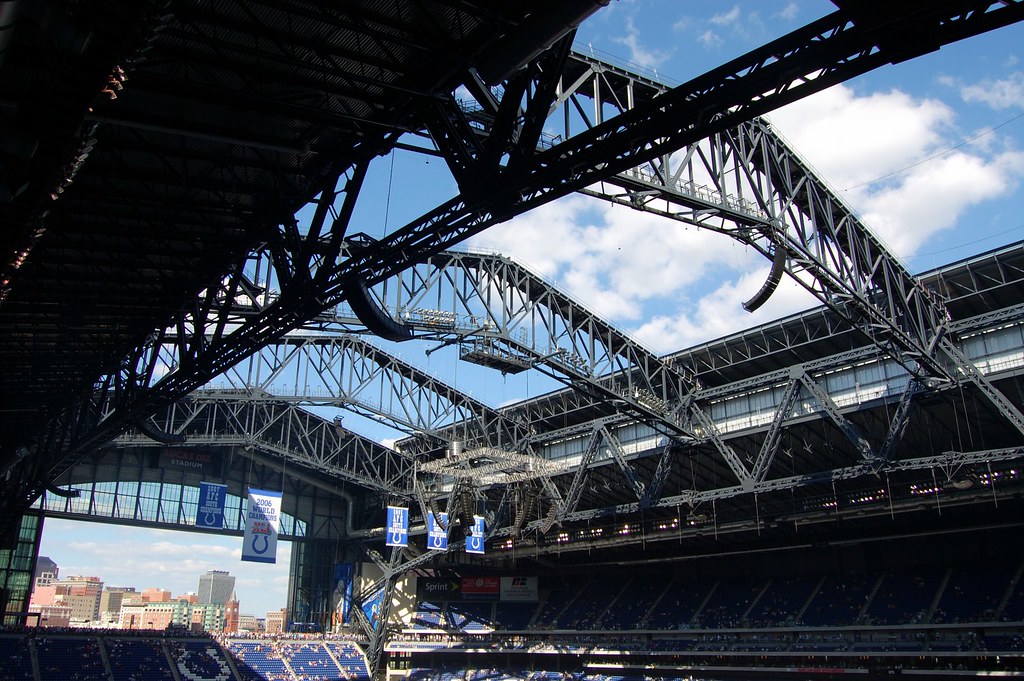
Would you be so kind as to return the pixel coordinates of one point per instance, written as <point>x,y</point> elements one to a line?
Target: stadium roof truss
<point>198,221</point>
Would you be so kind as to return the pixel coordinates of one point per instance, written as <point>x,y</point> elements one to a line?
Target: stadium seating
<point>513,616</point>
<point>470,617</point>
<point>427,617</point>
<point>262,657</point>
<point>1013,610</point>
<point>973,592</point>
<point>678,605</point>
<point>15,658</point>
<point>839,600</point>
<point>350,658</point>
<point>200,660</point>
<point>781,602</point>
<point>950,615</point>
<point>69,658</point>
<point>904,597</point>
<point>310,660</point>
<point>132,659</point>
<point>728,603</point>
<point>632,604</point>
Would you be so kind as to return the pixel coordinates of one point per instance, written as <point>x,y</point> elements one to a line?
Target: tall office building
<point>83,596</point>
<point>216,586</point>
<point>111,598</point>
<point>46,571</point>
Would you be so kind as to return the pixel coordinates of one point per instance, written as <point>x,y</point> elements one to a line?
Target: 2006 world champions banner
<point>262,523</point>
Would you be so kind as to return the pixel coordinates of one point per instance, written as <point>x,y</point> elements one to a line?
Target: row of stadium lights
<point>700,519</point>
<point>984,479</point>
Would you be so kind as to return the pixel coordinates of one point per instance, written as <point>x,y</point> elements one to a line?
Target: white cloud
<point>852,139</point>
<point>720,313</point>
<point>726,18</point>
<point>1005,93</point>
<point>710,39</point>
<point>674,285</point>
<point>890,156</point>
<point>933,196</point>
<point>640,54</point>
<point>613,259</point>
<point>682,24</point>
<point>790,11</point>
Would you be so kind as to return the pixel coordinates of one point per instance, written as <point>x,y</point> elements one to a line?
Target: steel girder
<point>246,418</point>
<point>747,183</point>
<point>346,371</point>
<point>206,338</point>
<point>831,50</point>
<point>316,373</point>
<point>505,316</point>
<point>828,51</point>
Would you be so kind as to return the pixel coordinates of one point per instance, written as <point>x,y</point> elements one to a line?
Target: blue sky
<point>928,152</point>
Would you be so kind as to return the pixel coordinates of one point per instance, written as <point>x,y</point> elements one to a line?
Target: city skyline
<point>91,549</point>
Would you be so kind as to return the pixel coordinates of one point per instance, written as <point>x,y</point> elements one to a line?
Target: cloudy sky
<point>928,152</point>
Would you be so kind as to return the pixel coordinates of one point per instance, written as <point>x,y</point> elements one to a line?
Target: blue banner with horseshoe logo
<point>262,523</point>
<point>210,512</point>
<point>437,532</point>
<point>398,526</point>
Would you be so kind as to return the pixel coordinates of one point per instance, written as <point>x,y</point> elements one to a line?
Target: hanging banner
<point>398,526</point>
<point>475,541</point>
<point>344,579</point>
<point>262,522</point>
<point>371,608</point>
<point>210,512</point>
<point>437,537</point>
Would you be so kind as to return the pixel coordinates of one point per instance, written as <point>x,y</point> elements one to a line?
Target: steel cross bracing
<point>828,51</point>
<point>948,462</point>
<point>309,367</point>
<point>302,373</point>
<point>562,506</point>
<point>505,316</point>
<point>345,370</point>
<point>596,435</point>
<point>247,418</point>
<point>747,183</point>
<point>207,338</point>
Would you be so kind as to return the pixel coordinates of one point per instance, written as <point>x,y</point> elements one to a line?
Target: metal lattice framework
<point>517,177</point>
<point>802,402</point>
<point>632,432</point>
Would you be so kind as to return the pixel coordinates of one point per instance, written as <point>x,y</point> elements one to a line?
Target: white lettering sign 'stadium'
<point>262,523</point>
